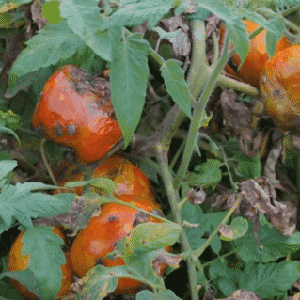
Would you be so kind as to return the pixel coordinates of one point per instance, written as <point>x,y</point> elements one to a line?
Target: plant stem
<point>174,198</point>
<point>45,161</point>
<point>198,116</point>
<point>201,249</point>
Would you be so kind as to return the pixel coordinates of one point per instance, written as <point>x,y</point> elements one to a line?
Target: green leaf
<point>45,260</point>
<point>160,295</point>
<point>226,286</point>
<point>105,184</point>
<point>6,167</point>
<point>149,236</point>
<point>236,28</point>
<point>176,86</point>
<point>85,20</point>
<point>51,13</point>
<point>128,80</point>
<point>269,280</point>
<point>137,13</point>
<point>248,167</point>
<point>207,174</point>
<point>19,202</point>
<point>237,228</point>
<point>101,282</point>
<point>274,244</point>
<point>7,292</point>
<point>206,223</point>
<point>53,43</point>
<point>9,131</point>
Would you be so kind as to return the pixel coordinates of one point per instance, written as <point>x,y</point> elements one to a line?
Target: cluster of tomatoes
<point>104,230</point>
<point>277,78</point>
<point>76,111</point>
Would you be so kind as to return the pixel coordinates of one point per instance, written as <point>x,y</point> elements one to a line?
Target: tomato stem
<point>201,249</point>
<point>198,116</point>
<point>174,199</point>
<point>45,161</point>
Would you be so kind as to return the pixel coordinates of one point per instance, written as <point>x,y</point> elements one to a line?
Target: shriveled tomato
<point>130,179</point>
<point>19,262</point>
<point>76,111</point>
<point>257,56</point>
<point>101,236</point>
<point>280,89</point>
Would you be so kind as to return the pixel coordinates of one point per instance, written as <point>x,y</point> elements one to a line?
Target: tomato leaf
<point>176,86</point>
<point>51,45</point>
<point>129,77</point>
<point>20,203</point>
<point>85,20</point>
<point>161,295</point>
<point>274,244</point>
<point>149,236</point>
<point>206,223</point>
<point>6,167</point>
<point>137,13</point>
<point>46,258</point>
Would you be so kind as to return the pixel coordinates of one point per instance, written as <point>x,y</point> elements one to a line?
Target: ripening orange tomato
<point>257,56</point>
<point>280,89</point>
<point>76,111</point>
<point>129,179</point>
<point>19,262</point>
<point>101,236</point>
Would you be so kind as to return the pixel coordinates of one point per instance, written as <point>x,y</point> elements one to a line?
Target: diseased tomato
<point>101,237</point>
<point>280,89</point>
<point>19,262</point>
<point>130,180</point>
<point>75,110</point>
<point>257,56</point>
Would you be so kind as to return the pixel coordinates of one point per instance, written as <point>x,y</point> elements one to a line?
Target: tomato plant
<point>225,177</point>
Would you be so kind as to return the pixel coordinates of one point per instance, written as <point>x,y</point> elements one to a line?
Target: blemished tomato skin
<point>101,236</point>
<point>130,180</point>
<point>257,55</point>
<point>79,114</point>
<point>280,89</point>
<point>19,262</point>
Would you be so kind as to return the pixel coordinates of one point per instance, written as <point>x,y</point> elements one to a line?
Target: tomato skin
<point>101,236</point>
<point>19,262</point>
<point>77,114</point>
<point>257,55</point>
<point>130,180</point>
<point>280,89</point>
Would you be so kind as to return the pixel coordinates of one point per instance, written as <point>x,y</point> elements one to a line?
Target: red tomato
<point>101,236</point>
<point>130,179</point>
<point>78,113</point>
<point>280,89</point>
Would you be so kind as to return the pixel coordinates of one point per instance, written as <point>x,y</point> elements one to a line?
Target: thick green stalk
<point>174,198</point>
<point>198,117</point>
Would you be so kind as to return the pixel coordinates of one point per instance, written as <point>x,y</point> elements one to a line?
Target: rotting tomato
<point>19,262</point>
<point>280,89</point>
<point>102,234</point>
<point>257,56</point>
<point>130,180</point>
<point>75,110</point>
